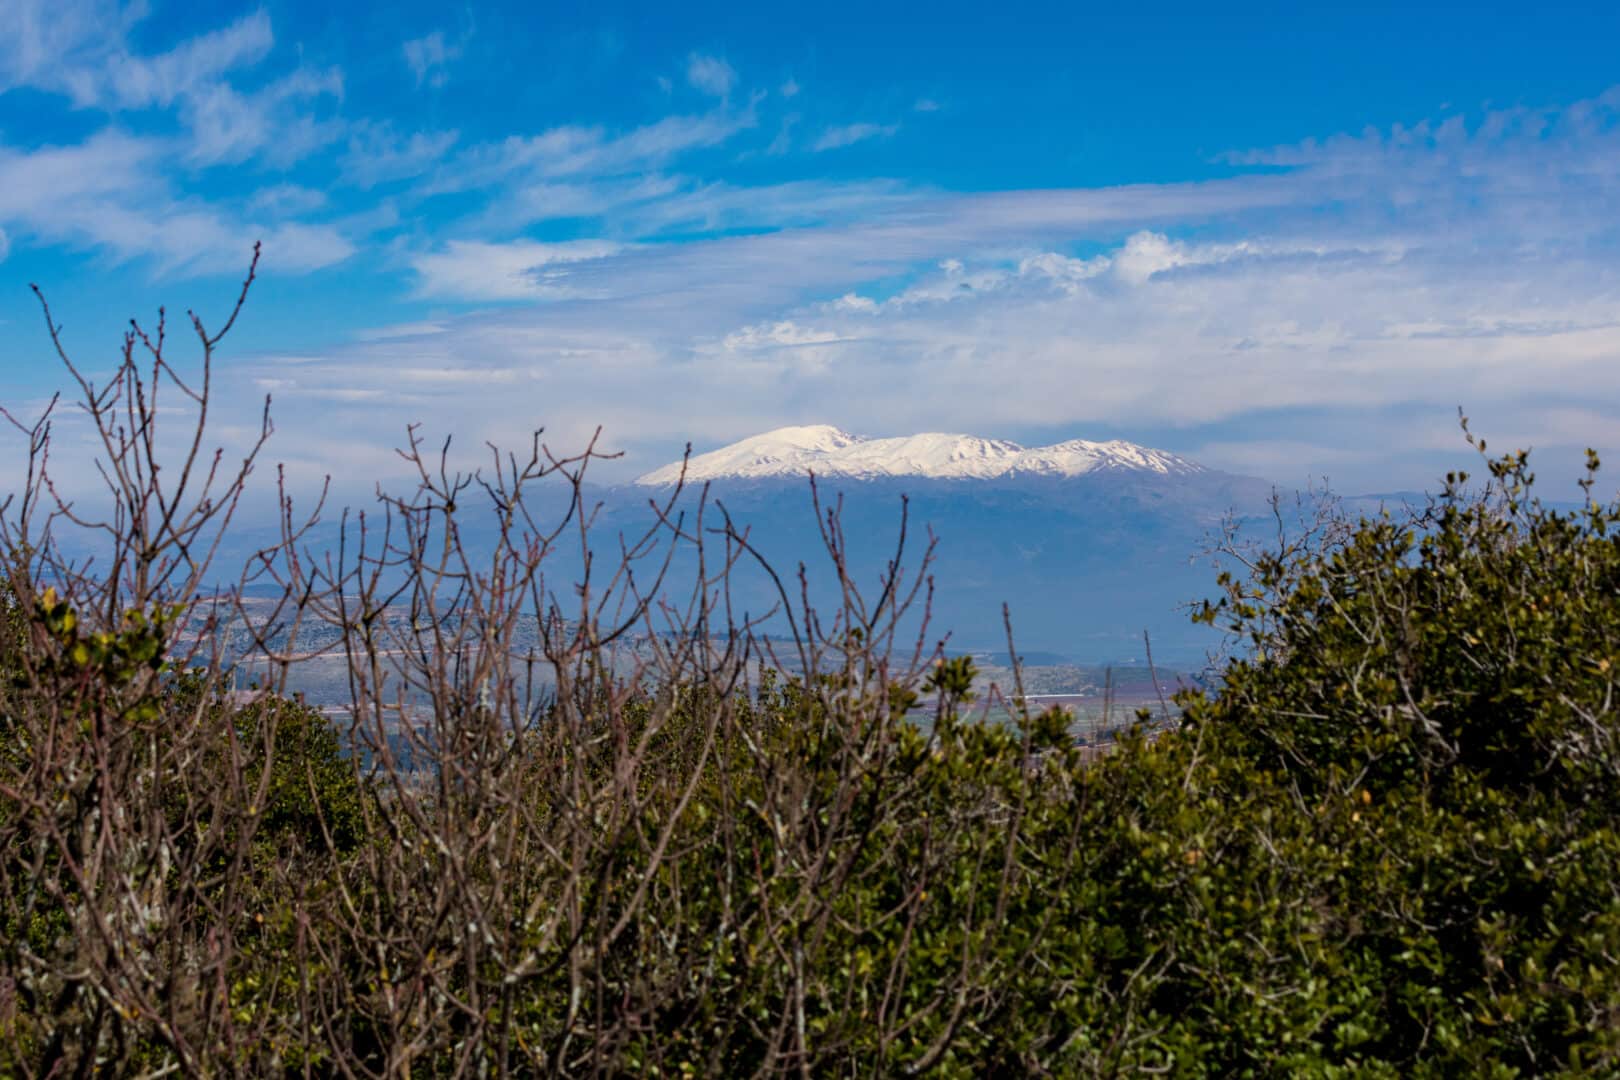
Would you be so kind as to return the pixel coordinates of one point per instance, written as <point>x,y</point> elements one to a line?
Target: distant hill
<point>1089,543</point>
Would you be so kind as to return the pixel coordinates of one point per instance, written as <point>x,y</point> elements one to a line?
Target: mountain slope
<point>1088,543</point>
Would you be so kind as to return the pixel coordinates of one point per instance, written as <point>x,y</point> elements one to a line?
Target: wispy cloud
<point>784,333</point>
<point>526,270</point>
<point>191,68</point>
<point>119,190</point>
<point>1367,287</point>
<point>80,49</point>
<point>102,195</point>
<point>710,75</point>
<point>228,126</point>
<point>378,154</point>
<point>230,108</point>
<point>105,194</point>
<point>574,151</point>
<point>65,47</point>
<point>430,57</point>
<point>286,200</point>
<point>784,136</point>
<point>835,138</point>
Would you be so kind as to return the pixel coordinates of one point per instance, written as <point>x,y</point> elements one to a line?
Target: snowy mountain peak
<point>828,451</point>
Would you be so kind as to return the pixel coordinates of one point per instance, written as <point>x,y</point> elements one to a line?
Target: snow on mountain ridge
<point>828,451</point>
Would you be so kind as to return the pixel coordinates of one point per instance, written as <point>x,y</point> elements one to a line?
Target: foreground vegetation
<point>1382,842</point>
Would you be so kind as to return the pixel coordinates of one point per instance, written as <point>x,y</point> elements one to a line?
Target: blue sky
<point>1284,241</point>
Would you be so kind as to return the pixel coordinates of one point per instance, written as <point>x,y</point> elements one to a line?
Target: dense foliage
<point>1384,842</point>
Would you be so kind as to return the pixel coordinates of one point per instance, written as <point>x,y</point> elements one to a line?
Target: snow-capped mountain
<point>1089,543</point>
<point>792,452</point>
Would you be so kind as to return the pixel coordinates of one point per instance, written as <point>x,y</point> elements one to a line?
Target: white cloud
<point>1066,272</point>
<point>1327,318</point>
<point>231,127</point>
<point>288,248</point>
<point>658,204</point>
<point>80,49</point>
<point>430,57</point>
<point>925,105</point>
<point>63,47</point>
<point>107,194</point>
<point>835,138</point>
<point>1148,253</point>
<point>790,88</point>
<point>377,154</point>
<point>402,330</point>
<point>285,200</point>
<point>189,68</point>
<point>573,150</point>
<point>783,334</point>
<point>955,282</point>
<point>783,142</point>
<point>51,177</point>
<point>524,270</point>
<point>710,75</point>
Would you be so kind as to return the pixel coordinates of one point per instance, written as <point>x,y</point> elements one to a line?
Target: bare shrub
<point>584,818</point>
<point>130,802</point>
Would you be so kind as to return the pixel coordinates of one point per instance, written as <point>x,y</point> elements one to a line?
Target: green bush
<point>1383,842</point>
